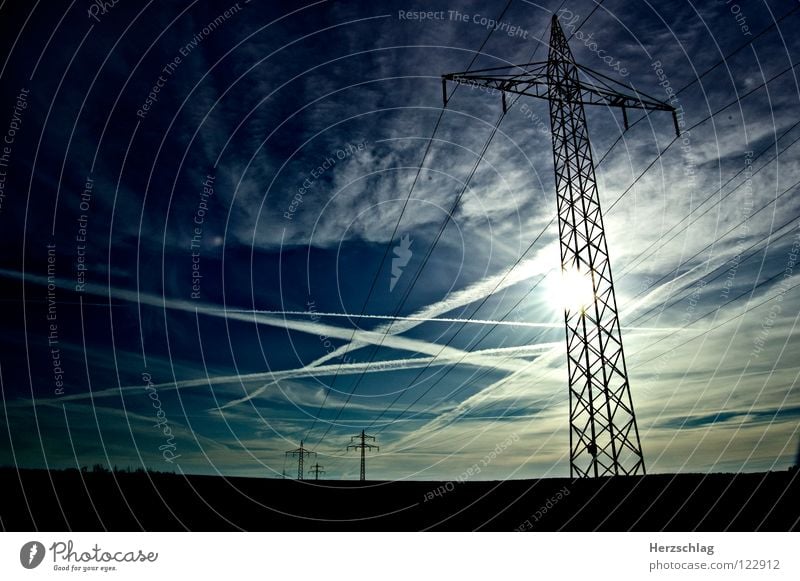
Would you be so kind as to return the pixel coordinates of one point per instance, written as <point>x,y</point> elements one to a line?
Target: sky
<point>228,228</point>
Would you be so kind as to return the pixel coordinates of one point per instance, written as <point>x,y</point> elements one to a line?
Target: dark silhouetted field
<point>71,500</point>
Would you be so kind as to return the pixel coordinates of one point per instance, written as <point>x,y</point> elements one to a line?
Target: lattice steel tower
<point>301,453</point>
<point>604,437</point>
<point>362,445</point>
<point>316,470</point>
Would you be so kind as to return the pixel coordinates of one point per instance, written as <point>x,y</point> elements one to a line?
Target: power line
<point>571,153</point>
<point>418,272</point>
<point>703,74</point>
<point>626,191</point>
<point>723,268</point>
<point>430,251</point>
<point>424,262</point>
<point>588,16</point>
<point>455,364</point>
<point>431,248</point>
<point>795,185</point>
<point>709,280</point>
<point>707,331</point>
<point>707,246</point>
<point>671,143</point>
<point>743,46</point>
<point>641,255</point>
<point>637,179</point>
<point>397,226</point>
<point>615,202</point>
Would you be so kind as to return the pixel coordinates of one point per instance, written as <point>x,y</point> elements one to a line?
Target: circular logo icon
<point>31,554</point>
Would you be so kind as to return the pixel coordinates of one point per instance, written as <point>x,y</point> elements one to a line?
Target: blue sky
<point>247,171</point>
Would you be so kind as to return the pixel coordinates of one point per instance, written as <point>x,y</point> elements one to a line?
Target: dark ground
<point>90,501</point>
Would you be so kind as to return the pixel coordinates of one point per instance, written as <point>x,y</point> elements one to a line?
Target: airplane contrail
<point>374,337</point>
<point>472,402</point>
<point>276,376</point>
<point>375,367</point>
<point>447,418</point>
<point>476,291</point>
<point>437,320</point>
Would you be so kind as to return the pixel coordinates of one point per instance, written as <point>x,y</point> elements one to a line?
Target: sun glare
<point>574,290</point>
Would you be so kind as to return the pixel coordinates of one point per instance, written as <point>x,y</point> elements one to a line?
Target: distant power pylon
<point>604,437</point>
<point>316,470</point>
<point>363,446</point>
<point>301,453</point>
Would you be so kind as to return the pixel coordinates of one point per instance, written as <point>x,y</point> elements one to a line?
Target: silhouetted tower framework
<point>316,470</point>
<point>301,453</point>
<point>604,437</point>
<point>362,445</point>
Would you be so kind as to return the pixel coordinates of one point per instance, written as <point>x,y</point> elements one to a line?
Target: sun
<point>573,290</point>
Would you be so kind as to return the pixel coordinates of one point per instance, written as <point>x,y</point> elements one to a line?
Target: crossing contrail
<point>435,319</point>
<point>477,358</point>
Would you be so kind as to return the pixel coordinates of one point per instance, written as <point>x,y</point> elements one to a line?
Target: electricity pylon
<point>316,470</point>
<point>604,437</point>
<point>363,446</point>
<point>301,453</point>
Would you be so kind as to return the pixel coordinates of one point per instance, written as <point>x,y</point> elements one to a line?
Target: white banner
<point>400,556</point>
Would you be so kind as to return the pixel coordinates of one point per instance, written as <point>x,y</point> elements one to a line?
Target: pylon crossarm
<point>609,84</point>
<point>533,85</point>
<point>537,85</point>
<point>506,70</point>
